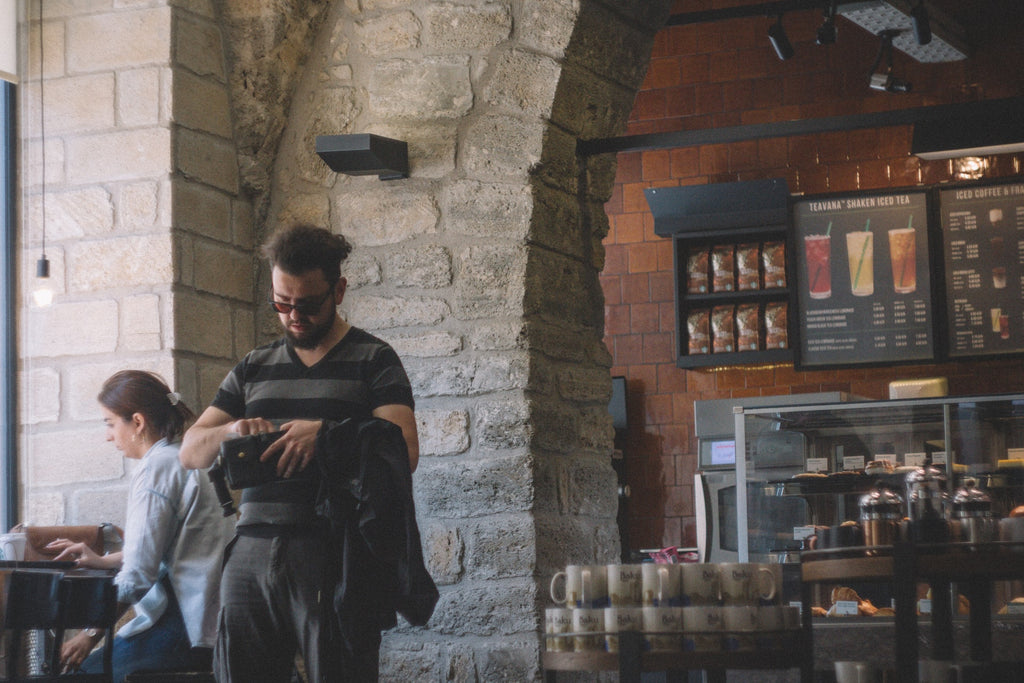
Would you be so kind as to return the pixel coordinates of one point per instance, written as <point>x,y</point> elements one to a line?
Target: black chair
<point>51,601</point>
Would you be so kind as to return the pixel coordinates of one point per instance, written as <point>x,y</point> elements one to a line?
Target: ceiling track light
<point>827,31</point>
<point>777,34</point>
<point>884,80</point>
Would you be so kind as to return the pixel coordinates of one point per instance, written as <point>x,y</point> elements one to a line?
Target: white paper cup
<point>12,547</point>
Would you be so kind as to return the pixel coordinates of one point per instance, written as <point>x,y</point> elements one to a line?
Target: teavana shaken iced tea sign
<point>863,292</point>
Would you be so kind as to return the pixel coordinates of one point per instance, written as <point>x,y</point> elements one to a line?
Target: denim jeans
<point>164,646</point>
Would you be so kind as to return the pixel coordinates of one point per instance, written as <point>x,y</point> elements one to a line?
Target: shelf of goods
<point>972,568</point>
<point>632,660</point>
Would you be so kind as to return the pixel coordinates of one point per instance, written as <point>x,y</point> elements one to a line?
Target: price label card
<point>886,457</point>
<point>853,462</point>
<point>914,459</point>
<point>1014,608</point>
<point>939,458</point>
<point>924,606</point>
<point>802,532</point>
<point>817,464</point>
<point>797,604</point>
<point>846,608</point>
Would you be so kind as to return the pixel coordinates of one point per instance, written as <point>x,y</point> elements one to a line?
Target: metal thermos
<point>881,510</point>
<point>972,514</point>
<point>926,502</point>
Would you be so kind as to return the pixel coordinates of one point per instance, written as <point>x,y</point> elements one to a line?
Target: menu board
<point>863,290</point>
<point>983,245</point>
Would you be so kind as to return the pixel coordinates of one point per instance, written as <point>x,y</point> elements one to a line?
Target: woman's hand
<point>74,651</point>
<point>83,555</point>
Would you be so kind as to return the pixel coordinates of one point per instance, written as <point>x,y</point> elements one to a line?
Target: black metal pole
<point>8,326</point>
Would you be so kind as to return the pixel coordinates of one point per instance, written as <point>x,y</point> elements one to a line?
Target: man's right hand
<point>252,425</point>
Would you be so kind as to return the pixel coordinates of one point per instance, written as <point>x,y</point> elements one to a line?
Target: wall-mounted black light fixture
<point>780,41</point>
<point>364,154</point>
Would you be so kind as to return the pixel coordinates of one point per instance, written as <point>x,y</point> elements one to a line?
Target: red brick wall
<point>726,74</point>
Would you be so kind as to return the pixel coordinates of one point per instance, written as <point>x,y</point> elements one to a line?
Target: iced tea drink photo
<point>819,265</point>
<point>860,252</point>
<point>903,256</point>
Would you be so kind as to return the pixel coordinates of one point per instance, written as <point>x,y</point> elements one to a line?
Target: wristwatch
<point>92,632</point>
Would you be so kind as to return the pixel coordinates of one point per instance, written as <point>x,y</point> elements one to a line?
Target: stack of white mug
<point>677,607</point>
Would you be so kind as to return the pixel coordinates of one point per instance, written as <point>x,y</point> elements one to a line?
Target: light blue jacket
<point>174,527</point>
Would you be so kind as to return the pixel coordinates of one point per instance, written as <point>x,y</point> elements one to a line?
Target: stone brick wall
<point>181,154</point>
<point>726,74</point>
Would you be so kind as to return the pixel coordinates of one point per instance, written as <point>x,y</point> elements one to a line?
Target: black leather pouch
<point>240,460</point>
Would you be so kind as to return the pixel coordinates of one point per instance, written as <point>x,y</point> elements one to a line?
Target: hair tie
<point>174,397</point>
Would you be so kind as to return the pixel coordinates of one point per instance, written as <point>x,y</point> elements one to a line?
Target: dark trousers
<point>275,600</point>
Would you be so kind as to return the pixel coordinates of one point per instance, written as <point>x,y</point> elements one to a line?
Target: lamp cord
<point>42,131</point>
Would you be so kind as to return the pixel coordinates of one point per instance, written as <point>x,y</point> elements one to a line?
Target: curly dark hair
<point>302,248</point>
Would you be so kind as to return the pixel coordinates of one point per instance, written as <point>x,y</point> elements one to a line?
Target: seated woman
<point>175,534</point>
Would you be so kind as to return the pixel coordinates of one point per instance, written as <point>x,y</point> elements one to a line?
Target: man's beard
<point>314,336</point>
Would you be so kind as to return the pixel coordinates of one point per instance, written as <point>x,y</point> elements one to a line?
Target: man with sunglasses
<point>276,592</point>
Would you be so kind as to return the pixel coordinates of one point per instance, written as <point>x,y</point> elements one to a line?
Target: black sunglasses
<point>306,308</point>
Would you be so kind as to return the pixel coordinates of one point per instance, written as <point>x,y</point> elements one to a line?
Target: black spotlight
<point>777,34</point>
<point>827,30</point>
<point>882,78</point>
<point>922,26</point>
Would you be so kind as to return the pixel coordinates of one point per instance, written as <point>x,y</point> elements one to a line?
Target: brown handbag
<point>38,537</point>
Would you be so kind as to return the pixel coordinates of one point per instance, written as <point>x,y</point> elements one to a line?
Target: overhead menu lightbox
<point>864,289</point>
<point>983,245</point>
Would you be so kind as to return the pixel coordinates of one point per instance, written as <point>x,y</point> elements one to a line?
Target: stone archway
<point>481,269</point>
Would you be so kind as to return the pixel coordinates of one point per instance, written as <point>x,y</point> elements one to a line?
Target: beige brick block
<point>452,27</point>
<point>125,261</point>
<point>201,104</point>
<point>140,323</point>
<point>202,210</point>
<point>127,155</point>
<point>381,313</point>
<point>138,206</point>
<point>407,88</point>
<point>442,432</point>
<point>54,54</point>
<point>242,223</point>
<point>72,329</point>
<point>211,374</point>
<point>427,345</point>
<point>40,393</point>
<point>72,456</point>
<point>85,380</point>
<point>207,159</point>
<point>384,215</point>
<point>244,330</point>
<point>43,509</point>
<point>202,325</point>
<point>96,505</point>
<point>198,47</point>
<point>32,177</point>
<point>389,34</point>
<point>138,97</point>
<point>223,271</point>
<point>79,104</point>
<point>114,40</point>
<point>71,215</point>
